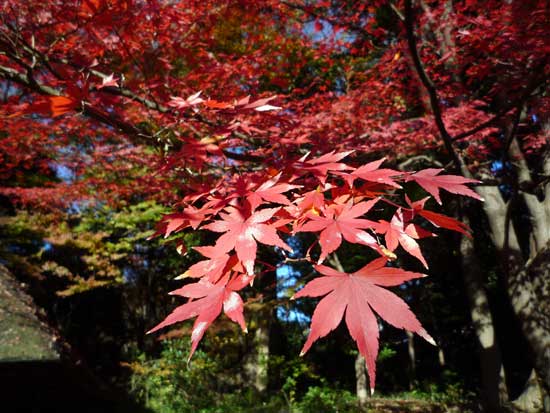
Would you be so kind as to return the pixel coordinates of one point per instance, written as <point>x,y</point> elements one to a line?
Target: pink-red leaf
<point>320,167</point>
<point>261,105</point>
<point>371,172</point>
<point>341,221</point>
<point>269,191</point>
<point>213,268</point>
<point>206,303</point>
<point>356,295</point>
<point>432,183</point>
<point>439,220</point>
<point>396,234</point>
<point>241,234</point>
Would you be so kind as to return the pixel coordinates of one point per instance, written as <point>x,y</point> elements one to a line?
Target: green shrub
<point>326,400</point>
<point>206,385</point>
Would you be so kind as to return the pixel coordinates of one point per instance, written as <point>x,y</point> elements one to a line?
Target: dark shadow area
<point>51,386</point>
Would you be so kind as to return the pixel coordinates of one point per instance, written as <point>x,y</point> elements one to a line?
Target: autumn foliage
<point>334,200</point>
<point>259,122</point>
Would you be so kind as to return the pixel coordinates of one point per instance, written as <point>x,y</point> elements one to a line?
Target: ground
<point>23,336</point>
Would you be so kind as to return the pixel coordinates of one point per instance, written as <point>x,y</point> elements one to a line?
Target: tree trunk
<point>441,357</point>
<point>538,211</point>
<point>256,361</point>
<point>532,307</point>
<point>531,398</point>
<point>361,379</point>
<point>526,285</point>
<point>521,286</point>
<point>492,372</point>
<point>261,341</point>
<point>412,359</point>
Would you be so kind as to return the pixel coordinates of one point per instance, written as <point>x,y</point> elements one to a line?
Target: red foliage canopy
<point>252,111</point>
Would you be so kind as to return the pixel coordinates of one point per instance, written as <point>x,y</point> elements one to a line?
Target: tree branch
<point>535,83</point>
<point>430,88</point>
<point>23,80</point>
<point>117,91</point>
<point>130,130</point>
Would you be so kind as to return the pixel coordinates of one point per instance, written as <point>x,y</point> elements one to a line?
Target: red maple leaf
<point>261,105</point>
<point>190,217</point>
<point>60,105</point>
<point>193,153</point>
<point>399,234</point>
<point>439,220</point>
<point>320,167</point>
<point>49,106</point>
<point>341,221</point>
<point>311,201</point>
<point>432,183</point>
<point>212,269</point>
<point>108,81</point>
<point>206,303</point>
<point>357,295</point>
<point>268,191</point>
<point>371,173</point>
<point>242,232</point>
<point>181,103</point>
<point>214,104</point>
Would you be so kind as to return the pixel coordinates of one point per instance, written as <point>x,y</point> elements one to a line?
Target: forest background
<point>121,118</point>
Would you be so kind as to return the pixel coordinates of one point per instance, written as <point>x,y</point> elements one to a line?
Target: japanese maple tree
<point>257,124</point>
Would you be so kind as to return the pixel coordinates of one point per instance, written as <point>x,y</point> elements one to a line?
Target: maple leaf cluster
<point>243,181</point>
<point>327,197</point>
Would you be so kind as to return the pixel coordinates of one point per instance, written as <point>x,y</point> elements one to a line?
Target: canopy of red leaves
<point>256,122</point>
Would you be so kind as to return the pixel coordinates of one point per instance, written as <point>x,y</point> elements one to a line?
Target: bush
<point>327,400</point>
<point>205,385</point>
